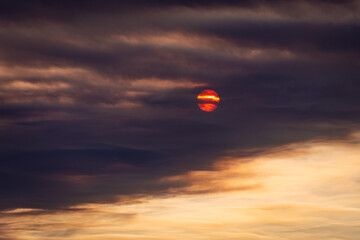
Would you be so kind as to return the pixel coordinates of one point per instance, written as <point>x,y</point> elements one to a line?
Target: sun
<point>208,100</point>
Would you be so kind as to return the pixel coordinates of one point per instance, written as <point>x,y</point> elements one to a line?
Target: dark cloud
<point>68,10</point>
<point>97,100</point>
<point>295,36</point>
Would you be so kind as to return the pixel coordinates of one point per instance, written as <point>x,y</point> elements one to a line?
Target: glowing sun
<point>208,100</point>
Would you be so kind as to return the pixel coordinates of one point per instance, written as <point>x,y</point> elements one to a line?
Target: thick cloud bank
<point>98,98</point>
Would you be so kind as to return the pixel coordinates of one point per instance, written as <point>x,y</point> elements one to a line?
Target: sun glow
<point>208,100</point>
<point>209,97</point>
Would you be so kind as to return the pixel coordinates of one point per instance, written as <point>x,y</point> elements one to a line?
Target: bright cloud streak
<point>304,191</point>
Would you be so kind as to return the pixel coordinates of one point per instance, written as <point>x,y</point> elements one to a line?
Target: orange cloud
<point>308,191</point>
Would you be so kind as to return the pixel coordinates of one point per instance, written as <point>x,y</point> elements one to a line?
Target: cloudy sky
<point>101,136</point>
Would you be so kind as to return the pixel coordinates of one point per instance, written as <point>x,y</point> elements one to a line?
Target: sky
<point>101,136</point>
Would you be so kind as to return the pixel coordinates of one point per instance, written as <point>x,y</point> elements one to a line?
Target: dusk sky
<point>102,138</point>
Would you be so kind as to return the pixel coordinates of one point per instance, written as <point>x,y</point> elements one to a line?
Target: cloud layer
<point>98,99</point>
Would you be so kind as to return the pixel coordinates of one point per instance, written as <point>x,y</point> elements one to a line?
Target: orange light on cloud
<point>279,193</point>
<point>208,100</point>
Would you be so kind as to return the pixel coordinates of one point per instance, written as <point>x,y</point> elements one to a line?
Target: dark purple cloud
<point>98,99</point>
